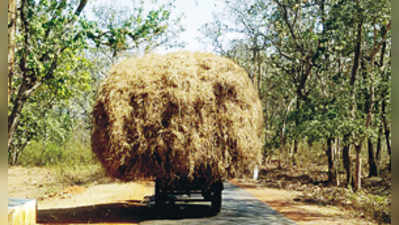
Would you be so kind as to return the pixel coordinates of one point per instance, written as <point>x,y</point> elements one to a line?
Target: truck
<point>177,190</point>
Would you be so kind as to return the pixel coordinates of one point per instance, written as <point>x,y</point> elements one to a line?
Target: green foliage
<point>128,28</point>
<point>55,73</point>
<point>52,154</point>
<point>375,207</point>
<point>303,53</point>
<point>81,174</point>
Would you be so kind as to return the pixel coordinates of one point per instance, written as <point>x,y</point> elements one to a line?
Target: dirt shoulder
<point>71,202</point>
<point>101,194</point>
<point>94,199</point>
<point>105,202</point>
<point>303,214</point>
<point>37,183</point>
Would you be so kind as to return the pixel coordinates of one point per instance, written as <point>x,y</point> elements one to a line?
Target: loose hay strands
<point>176,115</point>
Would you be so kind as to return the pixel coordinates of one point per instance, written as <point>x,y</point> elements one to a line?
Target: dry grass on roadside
<point>69,165</point>
<point>372,203</point>
<point>71,178</point>
<point>81,174</point>
<point>49,181</point>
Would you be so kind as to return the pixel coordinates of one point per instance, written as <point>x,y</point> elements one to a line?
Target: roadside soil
<point>37,183</point>
<point>42,184</point>
<point>302,213</point>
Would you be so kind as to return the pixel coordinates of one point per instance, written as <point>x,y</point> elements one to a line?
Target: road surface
<point>238,207</point>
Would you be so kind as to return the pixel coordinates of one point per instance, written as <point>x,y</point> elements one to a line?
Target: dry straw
<point>181,114</point>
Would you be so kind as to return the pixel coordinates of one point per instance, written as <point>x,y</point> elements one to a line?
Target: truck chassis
<point>169,192</point>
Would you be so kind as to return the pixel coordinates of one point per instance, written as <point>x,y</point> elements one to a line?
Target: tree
<point>51,58</point>
<point>11,41</point>
<point>334,80</point>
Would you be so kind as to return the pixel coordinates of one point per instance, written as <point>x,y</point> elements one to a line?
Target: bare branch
<point>80,8</point>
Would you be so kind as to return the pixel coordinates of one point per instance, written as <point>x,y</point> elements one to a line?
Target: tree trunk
<point>11,43</point>
<point>353,106</point>
<point>15,152</point>
<point>378,151</point>
<point>388,142</point>
<point>310,143</point>
<point>12,155</point>
<point>332,172</point>
<point>15,113</point>
<point>358,175</point>
<point>337,152</point>
<point>259,74</point>
<point>282,145</point>
<point>347,164</point>
<point>373,170</point>
<point>387,135</point>
<point>294,151</point>
<point>384,31</point>
<point>255,75</point>
<point>17,147</point>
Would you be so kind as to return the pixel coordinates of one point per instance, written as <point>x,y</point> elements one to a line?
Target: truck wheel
<point>156,188</point>
<point>159,196</point>
<point>216,202</point>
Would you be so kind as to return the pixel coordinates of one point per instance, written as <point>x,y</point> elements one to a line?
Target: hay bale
<point>176,115</point>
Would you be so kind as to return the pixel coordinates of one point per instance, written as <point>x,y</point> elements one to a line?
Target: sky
<point>195,14</point>
<point>198,13</point>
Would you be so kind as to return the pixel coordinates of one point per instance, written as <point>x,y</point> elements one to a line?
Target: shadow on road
<point>128,211</point>
<point>238,207</point>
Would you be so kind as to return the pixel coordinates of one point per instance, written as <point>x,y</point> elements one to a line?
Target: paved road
<point>238,207</point>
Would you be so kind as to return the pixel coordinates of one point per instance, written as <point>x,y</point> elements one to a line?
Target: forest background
<point>322,69</point>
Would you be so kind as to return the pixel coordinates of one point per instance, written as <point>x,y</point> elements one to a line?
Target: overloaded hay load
<point>183,114</point>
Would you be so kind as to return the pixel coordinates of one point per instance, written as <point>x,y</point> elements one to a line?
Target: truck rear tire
<point>159,194</point>
<point>216,202</point>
